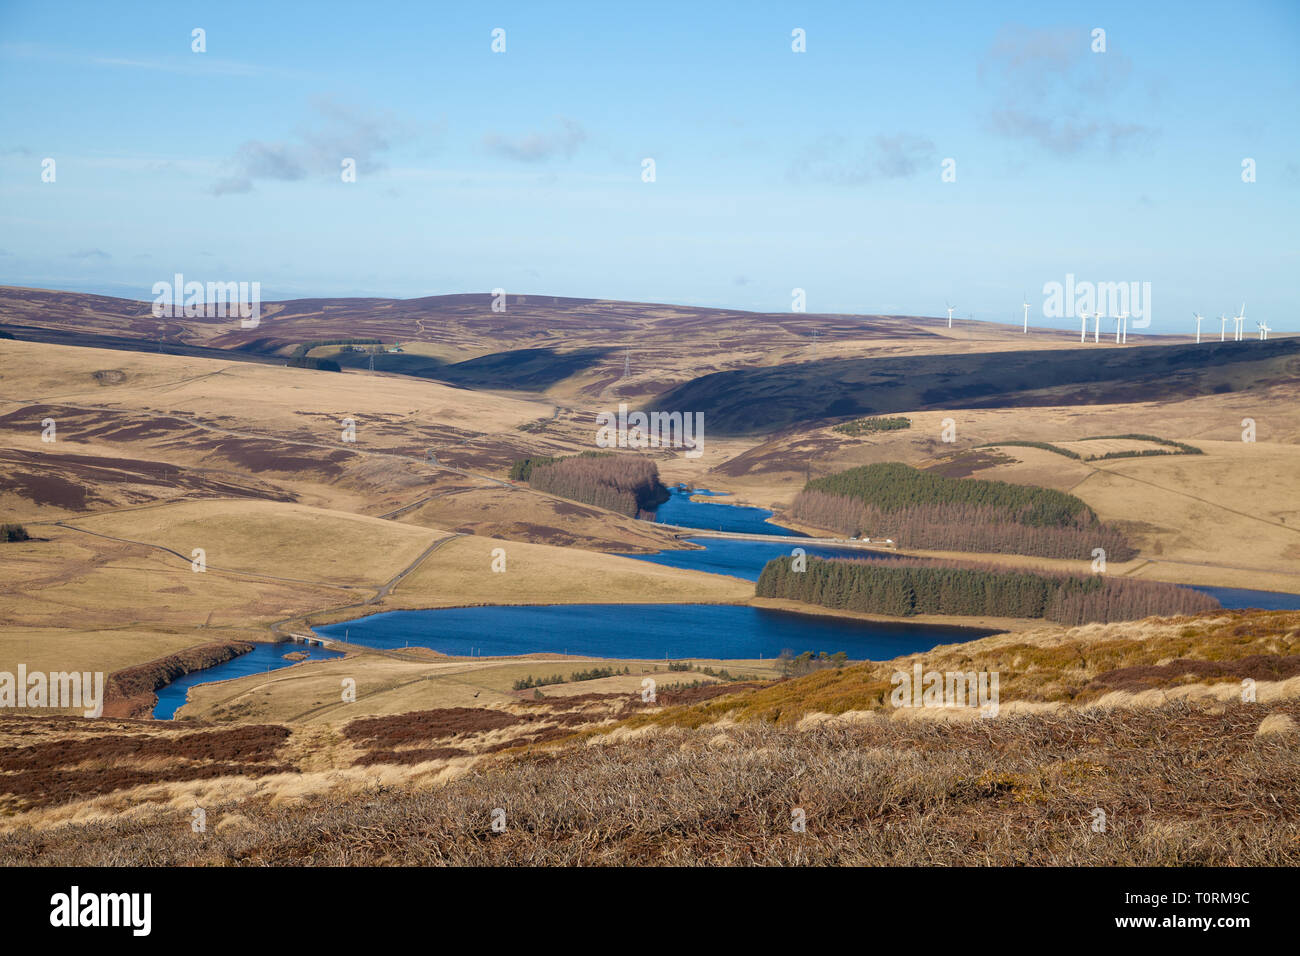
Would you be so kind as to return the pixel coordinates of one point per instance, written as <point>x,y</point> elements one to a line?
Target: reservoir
<point>642,631</point>
<point>679,509</point>
<point>658,631</point>
<point>263,657</point>
<point>649,631</point>
<point>1237,598</point>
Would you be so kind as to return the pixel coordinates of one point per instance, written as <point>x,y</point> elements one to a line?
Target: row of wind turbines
<point>1238,326</point>
<point>1121,325</point>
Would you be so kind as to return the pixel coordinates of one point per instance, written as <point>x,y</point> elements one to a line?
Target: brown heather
<point>1180,785</point>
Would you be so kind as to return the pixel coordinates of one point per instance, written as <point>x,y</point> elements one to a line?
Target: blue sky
<point>774,170</point>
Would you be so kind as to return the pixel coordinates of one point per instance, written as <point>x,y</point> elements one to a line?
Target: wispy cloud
<point>1052,90</point>
<point>835,159</point>
<point>90,254</point>
<point>193,64</point>
<point>540,146</point>
<point>343,133</point>
<point>196,64</point>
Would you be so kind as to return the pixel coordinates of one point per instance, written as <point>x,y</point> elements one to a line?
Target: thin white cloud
<point>1052,90</point>
<point>539,146</point>
<point>834,159</point>
<point>189,63</point>
<point>346,133</point>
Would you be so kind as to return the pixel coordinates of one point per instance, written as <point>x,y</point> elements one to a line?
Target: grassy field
<point>389,685</point>
<point>290,542</point>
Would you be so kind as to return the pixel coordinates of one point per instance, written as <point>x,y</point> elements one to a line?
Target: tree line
<point>892,485</point>
<point>864,426</point>
<point>321,364</point>
<point>627,484</point>
<point>919,509</point>
<point>301,350</point>
<point>1180,448</point>
<point>596,673</point>
<point>959,527</point>
<point>903,587</point>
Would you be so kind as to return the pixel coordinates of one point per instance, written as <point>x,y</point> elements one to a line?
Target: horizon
<point>775,170</point>
<point>1037,322</point>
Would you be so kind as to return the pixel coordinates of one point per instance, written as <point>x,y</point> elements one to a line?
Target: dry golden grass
<point>256,397</point>
<point>512,514</point>
<point>83,583</point>
<point>460,573</point>
<point>275,539</point>
<point>310,694</point>
<point>1106,446</point>
<point>52,649</point>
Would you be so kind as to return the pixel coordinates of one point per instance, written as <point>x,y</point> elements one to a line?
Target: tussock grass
<point>1180,785</point>
<point>1076,666</point>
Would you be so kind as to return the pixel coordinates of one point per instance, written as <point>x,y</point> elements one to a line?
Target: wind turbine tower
<point>1121,324</point>
<point>1263,331</point>
<point>1026,304</point>
<point>1223,327</point>
<point>1096,329</point>
<point>951,310</point>
<point>1197,317</point>
<point>1083,326</point>
<point>1239,324</point>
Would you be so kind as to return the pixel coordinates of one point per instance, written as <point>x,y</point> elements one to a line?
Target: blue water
<point>262,658</point>
<point>744,559</point>
<point>649,631</point>
<point>680,510</point>
<point>656,631</point>
<point>1264,600</point>
<point>642,631</point>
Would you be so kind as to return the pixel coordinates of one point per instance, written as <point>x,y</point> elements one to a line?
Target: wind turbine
<point>1026,303</point>
<point>1223,326</point>
<point>1083,326</point>
<point>1263,331</point>
<point>1197,316</point>
<point>1239,329</point>
<point>1096,329</point>
<point>1121,321</point>
<point>951,310</point>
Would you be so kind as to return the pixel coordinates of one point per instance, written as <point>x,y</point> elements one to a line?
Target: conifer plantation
<point>902,587</point>
<point>922,510</point>
<point>628,484</point>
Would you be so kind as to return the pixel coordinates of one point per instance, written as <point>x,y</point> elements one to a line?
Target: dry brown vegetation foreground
<point>1137,663</point>
<point>1178,785</point>
<point>1145,723</point>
